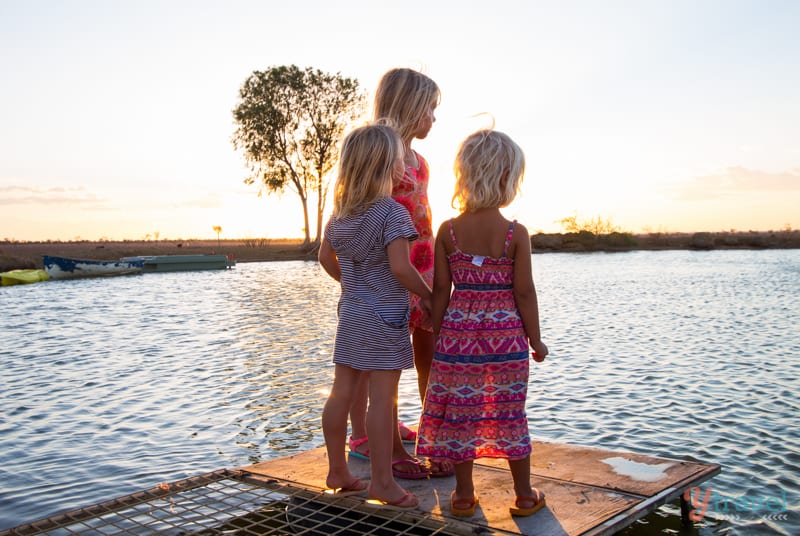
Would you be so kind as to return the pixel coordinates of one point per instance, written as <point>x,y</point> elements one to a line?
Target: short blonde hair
<point>368,157</point>
<point>404,96</point>
<point>489,168</point>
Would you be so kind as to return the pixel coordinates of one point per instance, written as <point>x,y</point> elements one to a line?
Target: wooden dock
<point>589,491</point>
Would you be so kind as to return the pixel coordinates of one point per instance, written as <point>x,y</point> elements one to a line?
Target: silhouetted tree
<point>218,230</point>
<point>289,125</point>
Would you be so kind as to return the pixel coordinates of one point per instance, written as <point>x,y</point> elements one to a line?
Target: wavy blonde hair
<point>367,160</point>
<point>489,168</point>
<point>404,96</point>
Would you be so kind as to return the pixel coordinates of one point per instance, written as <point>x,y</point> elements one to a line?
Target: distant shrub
<point>542,241</point>
<point>256,242</point>
<point>702,241</point>
<point>618,240</point>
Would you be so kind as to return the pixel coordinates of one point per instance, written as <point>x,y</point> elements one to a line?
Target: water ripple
<point>114,385</point>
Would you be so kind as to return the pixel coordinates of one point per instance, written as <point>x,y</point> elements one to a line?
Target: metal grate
<point>235,502</point>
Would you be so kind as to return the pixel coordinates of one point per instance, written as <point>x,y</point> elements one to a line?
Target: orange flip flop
<point>536,501</point>
<point>462,507</point>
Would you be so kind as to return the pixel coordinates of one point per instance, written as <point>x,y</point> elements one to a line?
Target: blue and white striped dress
<point>372,333</point>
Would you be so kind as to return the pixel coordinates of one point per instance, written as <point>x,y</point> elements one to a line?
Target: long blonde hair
<point>404,96</point>
<point>368,158</point>
<point>489,168</point>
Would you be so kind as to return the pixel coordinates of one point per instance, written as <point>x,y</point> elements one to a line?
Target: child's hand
<point>427,305</point>
<point>539,351</point>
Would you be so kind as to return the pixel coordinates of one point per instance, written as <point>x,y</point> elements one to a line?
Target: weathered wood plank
<point>589,490</point>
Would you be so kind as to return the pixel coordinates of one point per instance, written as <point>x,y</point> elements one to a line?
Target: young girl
<point>475,402</point>
<point>408,98</point>
<point>366,249</point>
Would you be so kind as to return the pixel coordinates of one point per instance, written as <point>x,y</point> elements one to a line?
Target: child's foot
<point>410,469</point>
<point>344,481</point>
<point>359,448</point>
<point>355,487</point>
<point>462,507</point>
<point>404,465</point>
<point>441,468</point>
<point>397,499</point>
<point>526,505</point>
<point>406,433</point>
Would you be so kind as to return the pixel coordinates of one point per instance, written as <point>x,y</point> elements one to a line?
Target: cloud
<point>31,195</point>
<point>208,201</point>
<point>737,180</point>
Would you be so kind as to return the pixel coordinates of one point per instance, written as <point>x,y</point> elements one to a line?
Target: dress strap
<point>508,238</point>
<point>452,233</point>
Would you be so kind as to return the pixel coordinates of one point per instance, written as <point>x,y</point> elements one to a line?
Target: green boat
<point>182,263</point>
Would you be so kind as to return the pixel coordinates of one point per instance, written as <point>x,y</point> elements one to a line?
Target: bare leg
<point>529,500</point>
<point>358,412</point>
<point>399,451</point>
<point>382,428</point>
<point>334,425</point>
<point>358,421</point>
<point>465,488</point>
<point>424,344</point>
<point>521,473</point>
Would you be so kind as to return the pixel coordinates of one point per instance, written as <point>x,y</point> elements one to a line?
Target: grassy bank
<point>586,241</point>
<point>15,255</point>
<point>29,254</point>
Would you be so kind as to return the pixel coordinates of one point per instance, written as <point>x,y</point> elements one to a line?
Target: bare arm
<point>327,258</point>
<point>525,292</point>
<point>442,281</point>
<point>404,271</point>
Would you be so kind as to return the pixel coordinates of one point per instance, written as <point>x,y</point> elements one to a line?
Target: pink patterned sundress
<point>475,403</point>
<point>412,192</point>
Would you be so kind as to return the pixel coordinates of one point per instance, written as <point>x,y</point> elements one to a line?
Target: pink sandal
<point>356,487</point>
<point>406,433</point>
<point>409,501</point>
<point>353,444</point>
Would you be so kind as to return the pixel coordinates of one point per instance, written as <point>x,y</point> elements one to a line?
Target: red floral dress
<point>412,193</point>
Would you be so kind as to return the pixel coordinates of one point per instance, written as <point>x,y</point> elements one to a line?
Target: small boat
<point>23,277</point>
<point>66,268</point>
<point>182,263</point>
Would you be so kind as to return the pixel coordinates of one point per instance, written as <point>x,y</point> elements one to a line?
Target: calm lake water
<point>110,386</point>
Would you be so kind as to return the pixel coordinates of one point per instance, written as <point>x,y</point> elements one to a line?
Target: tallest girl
<point>408,99</point>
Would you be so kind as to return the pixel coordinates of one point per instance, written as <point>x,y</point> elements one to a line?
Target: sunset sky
<point>115,116</point>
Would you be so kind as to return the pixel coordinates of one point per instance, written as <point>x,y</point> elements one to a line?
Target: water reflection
<point>114,385</point>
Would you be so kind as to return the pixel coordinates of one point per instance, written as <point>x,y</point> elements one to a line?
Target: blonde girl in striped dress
<point>366,249</point>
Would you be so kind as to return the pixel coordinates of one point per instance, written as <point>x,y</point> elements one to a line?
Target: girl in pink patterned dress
<point>475,402</point>
<point>408,98</point>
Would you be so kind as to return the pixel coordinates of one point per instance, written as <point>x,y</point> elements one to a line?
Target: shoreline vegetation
<point>19,255</point>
